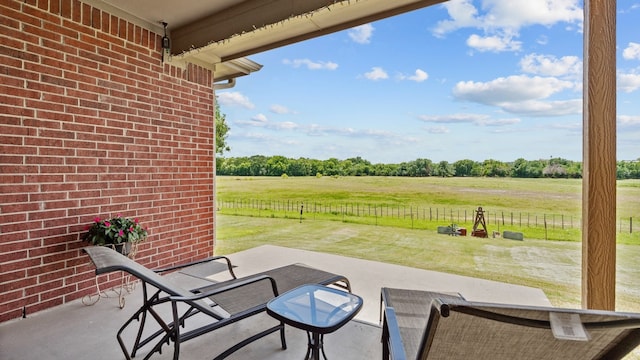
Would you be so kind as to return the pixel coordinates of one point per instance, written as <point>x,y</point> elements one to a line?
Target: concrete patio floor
<point>76,331</point>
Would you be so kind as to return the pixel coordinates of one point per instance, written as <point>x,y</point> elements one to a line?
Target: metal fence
<point>415,213</point>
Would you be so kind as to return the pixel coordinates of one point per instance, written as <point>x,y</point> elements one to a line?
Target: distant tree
<point>420,167</point>
<point>495,168</point>
<point>522,168</point>
<point>260,165</point>
<point>554,171</point>
<point>277,165</point>
<point>331,167</point>
<point>298,167</point>
<point>358,166</point>
<point>444,169</point>
<point>222,130</point>
<point>464,167</point>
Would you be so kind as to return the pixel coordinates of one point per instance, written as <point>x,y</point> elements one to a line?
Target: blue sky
<point>490,79</point>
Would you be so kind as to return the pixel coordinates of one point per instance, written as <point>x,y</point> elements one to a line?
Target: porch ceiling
<point>213,32</point>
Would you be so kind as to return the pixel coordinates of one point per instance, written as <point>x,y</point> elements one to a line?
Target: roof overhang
<point>215,33</point>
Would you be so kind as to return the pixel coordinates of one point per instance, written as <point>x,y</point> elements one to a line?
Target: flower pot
<point>122,248</point>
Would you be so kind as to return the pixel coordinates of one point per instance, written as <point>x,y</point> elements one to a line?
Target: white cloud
<point>549,65</point>
<point>261,121</point>
<point>520,95</point>
<point>438,130</point>
<point>285,125</point>
<point>505,18</point>
<point>235,99</point>
<point>499,122</point>
<point>418,76</point>
<point>628,82</point>
<point>454,118</point>
<point>463,14</point>
<point>260,118</point>
<point>542,40</point>
<point>361,34</point>
<point>544,108</point>
<point>462,118</point>
<point>376,73</point>
<point>629,121</point>
<point>631,52</point>
<point>493,43</point>
<point>515,14</point>
<point>280,109</point>
<point>311,65</point>
<point>318,130</point>
<point>510,89</point>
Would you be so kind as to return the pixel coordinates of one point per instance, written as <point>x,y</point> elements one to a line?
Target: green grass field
<point>521,205</point>
<point>553,266</point>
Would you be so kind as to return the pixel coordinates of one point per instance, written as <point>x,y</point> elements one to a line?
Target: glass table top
<point>315,308</point>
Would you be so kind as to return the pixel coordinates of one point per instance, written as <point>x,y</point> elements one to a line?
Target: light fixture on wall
<point>166,42</point>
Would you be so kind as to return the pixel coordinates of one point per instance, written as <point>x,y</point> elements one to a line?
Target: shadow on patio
<point>88,332</point>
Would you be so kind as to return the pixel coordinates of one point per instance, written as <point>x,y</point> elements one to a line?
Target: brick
<point>96,97</point>
<point>48,230</point>
<point>16,280</point>
<point>41,33</point>
<point>58,81</point>
<point>40,215</point>
<point>44,268</point>
<point>39,179</point>
<point>45,304</point>
<point>65,8</point>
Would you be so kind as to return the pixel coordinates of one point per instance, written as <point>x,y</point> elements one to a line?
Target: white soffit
<point>210,32</point>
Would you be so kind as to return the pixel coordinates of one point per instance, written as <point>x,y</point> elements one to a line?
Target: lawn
<point>539,261</point>
<point>553,266</point>
<point>539,208</point>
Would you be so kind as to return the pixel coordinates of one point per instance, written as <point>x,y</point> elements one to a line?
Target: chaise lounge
<point>428,325</point>
<point>222,303</point>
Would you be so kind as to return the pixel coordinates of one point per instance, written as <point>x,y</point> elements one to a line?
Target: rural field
<point>551,265</point>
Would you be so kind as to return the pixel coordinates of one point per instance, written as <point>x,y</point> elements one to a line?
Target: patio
<point>77,331</point>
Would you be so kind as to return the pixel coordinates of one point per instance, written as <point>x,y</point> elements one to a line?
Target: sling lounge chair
<point>451,328</point>
<point>221,303</point>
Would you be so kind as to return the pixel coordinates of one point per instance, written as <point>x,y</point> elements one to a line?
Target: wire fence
<point>440,214</point>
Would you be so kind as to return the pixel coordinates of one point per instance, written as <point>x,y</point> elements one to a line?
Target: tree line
<point>260,165</point>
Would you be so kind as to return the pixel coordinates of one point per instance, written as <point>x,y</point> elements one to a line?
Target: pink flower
<point>107,224</point>
<point>119,215</point>
<point>131,229</point>
<point>96,219</point>
<point>120,233</point>
<point>135,220</point>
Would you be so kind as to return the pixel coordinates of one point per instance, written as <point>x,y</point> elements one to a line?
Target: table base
<point>315,347</point>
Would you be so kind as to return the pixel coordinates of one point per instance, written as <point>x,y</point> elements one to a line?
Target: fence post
<point>375,209</point>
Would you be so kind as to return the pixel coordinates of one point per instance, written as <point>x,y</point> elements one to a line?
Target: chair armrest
<point>235,285</point>
<point>391,336</point>
<point>180,266</point>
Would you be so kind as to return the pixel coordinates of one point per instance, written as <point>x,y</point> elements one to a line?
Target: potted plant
<point>118,232</point>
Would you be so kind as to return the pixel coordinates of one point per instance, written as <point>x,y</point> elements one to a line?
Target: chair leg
<point>385,340</point>
<point>282,338</point>
<point>177,322</point>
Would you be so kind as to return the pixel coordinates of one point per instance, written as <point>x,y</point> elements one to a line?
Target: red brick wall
<point>94,124</point>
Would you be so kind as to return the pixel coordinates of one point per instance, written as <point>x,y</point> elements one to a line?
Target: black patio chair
<point>428,325</point>
<point>222,303</point>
